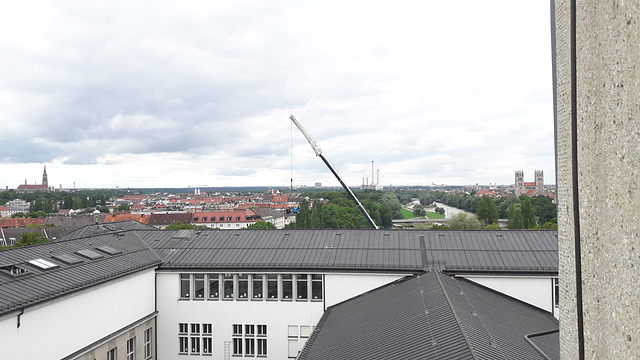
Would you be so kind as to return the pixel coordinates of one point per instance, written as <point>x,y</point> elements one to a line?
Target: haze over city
<point>196,93</point>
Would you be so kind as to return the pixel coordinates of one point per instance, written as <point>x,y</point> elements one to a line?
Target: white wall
<point>536,291</point>
<point>61,327</point>
<point>340,287</point>
<point>277,315</point>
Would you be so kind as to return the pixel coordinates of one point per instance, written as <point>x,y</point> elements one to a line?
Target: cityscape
<point>472,192</point>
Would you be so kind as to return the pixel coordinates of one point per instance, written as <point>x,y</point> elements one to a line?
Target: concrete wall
<point>62,327</point>
<point>608,166</point>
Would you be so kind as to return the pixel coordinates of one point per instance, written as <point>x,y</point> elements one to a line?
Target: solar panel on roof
<point>109,250</point>
<point>42,264</point>
<point>67,259</point>
<point>90,254</point>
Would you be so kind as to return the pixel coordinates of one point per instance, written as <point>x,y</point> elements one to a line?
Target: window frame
<point>131,349</point>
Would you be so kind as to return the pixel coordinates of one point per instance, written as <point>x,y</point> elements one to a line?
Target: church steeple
<point>45,181</point>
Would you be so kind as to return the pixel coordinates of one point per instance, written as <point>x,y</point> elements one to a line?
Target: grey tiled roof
<point>38,285</point>
<point>430,316</point>
<point>526,251</point>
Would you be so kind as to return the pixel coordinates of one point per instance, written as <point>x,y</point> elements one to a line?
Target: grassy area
<point>432,215</point>
<point>407,214</point>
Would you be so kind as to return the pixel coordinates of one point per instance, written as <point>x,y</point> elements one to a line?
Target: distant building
<point>44,187</point>
<point>522,187</point>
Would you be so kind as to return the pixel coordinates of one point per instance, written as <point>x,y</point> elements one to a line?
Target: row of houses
<point>226,220</point>
<point>130,291</point>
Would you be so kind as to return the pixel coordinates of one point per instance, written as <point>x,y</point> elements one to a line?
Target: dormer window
<point>228,218</point>
<point>204,218</point>
<point>221,218</point>
<point>237,218</point>
<point>195,218</point>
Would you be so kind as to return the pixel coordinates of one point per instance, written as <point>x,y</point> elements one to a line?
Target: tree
<point>487,210</point>
<point>439,210</point>
<point>124,207</point>
<point>515,217</point>
<point>180,226</point>
<point>419,211</point>
<point>463,221</point>
<point>528,214</point>
<point>261,224</point>
<point>31,238</point>
<point>18,215</point>
<point>103,209</point>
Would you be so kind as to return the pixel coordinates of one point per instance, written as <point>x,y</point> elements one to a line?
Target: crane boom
<point>316,148</point>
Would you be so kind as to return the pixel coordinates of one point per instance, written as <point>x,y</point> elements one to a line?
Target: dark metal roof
<point>106,228</point>
<point>526,251</point>
<point>430,316</point>
<point>35,285</point>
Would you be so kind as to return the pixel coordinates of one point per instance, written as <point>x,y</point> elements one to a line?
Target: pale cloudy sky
<point>194,93</point>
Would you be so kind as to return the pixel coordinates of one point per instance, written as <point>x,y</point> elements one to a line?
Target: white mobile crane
<point>316,148</point>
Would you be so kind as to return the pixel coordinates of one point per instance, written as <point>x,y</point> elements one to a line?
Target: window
<point>185,285</point>
<point>257,286</point>
<point>131,348</point>
<point>249,348</point>
<point>272,286</point>
<point>316,286</point>
<point>249,330</point>
<point>198,283</point>
<point>296,338</point>
<point>221,218</point>
<point>195,328</point>
<point>556,292</point>
<point>147,344</point>
<point>183,328</point>
<point>237,330</point>
<point>204,218</point>
<point>228,218</point>
<point>262,330</point>
<point>243,286</point>
<point>245,343</point>
<point>237,218</point>
<point>184,344</point>
<point>214,287</point>
<point>287,286</point>
<point>206,345</point>
<point>237,346</point>
<point>301,287</point>
<point>112,354</point>
<point>262,347</point>
<point>195,345</point>
<point>206,329</point>
<point>228,286</point>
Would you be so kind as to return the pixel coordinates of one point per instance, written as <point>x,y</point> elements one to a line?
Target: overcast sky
<point>194,93</point>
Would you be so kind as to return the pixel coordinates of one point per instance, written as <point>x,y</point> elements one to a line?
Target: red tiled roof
<point>530,184</point>
<point>142,218</point>
<point>20,222</point>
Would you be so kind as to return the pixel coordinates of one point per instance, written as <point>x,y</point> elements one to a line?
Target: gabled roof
<point>431,316</point>
<point>515,251</point>
<point>64,269</point>
<point>106,228</point>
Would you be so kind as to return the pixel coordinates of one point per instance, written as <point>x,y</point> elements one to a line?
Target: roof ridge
<point>455,315</point>
<point>493,341</point>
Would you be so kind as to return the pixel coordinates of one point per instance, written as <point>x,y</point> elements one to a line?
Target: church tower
<point>539,180</point>
<point>519,184</point>
<point>45,181</point>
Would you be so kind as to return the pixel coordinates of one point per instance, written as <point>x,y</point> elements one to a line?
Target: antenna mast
<point>316,148</point>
